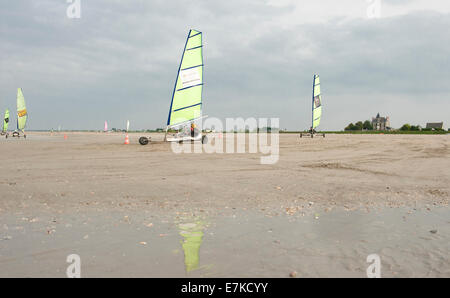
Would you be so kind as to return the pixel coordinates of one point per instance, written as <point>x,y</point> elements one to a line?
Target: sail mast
<point>312,111</point>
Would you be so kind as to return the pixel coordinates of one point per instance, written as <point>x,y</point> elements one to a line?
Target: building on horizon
<point>381,123</point>
<point>435,125</point>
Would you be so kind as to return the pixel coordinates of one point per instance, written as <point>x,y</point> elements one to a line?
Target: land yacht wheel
<point>143,141</point>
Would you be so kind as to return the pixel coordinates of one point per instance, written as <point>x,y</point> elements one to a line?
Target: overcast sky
<point>120,59</point>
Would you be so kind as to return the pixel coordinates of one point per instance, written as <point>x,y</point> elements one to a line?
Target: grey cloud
<point>119,62</point>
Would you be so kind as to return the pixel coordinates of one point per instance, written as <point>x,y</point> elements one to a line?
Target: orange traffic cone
<point>127,140</point>
<point>65,137</point>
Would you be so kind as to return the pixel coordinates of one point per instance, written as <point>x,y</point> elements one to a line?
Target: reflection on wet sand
<point>192,234</point>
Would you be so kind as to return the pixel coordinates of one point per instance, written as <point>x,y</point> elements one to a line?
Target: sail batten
<point>187,107</point>
<point>189,87</point>
<point>186,101</point>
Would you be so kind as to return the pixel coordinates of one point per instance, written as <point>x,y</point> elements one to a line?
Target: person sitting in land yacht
<point>194,130</point>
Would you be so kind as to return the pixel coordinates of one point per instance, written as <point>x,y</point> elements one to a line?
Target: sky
<point>119,60</point>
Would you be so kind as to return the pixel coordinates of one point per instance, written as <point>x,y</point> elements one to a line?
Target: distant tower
<point>381,123</point>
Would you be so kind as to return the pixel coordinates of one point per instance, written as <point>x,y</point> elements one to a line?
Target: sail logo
<point>190,77</point>
<point>254,136</point>
<point>22,113</point>
<point>317,102</point>
<point>74,9</point>
<point>374,9</point>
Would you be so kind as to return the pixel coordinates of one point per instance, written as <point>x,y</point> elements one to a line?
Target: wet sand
<point>131,210</point>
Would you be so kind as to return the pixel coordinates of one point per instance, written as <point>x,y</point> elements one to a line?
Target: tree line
<point>408,127</point>
<point>366,125</point>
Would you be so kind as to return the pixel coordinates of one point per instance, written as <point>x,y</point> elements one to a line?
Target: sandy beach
<point>128,210</point>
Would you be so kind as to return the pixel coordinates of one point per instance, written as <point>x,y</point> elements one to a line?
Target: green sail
<point>22,114</point>
<point>316,103</point>
<point>186,102</point>
<point>6,121</point>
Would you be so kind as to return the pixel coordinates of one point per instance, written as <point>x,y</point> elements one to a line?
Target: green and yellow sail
<point>186,102</point>
<point>6,121</point>
<point>316,103</point>
<point>22,114</point>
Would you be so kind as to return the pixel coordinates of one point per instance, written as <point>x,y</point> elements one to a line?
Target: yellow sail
<point>22,114</point>
<point>186,102</point>
<point>6,121</point>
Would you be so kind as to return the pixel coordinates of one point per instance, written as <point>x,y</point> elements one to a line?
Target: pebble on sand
<point>293,274</point>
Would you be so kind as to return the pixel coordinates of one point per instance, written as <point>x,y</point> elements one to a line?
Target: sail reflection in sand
<point>192,234</point>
